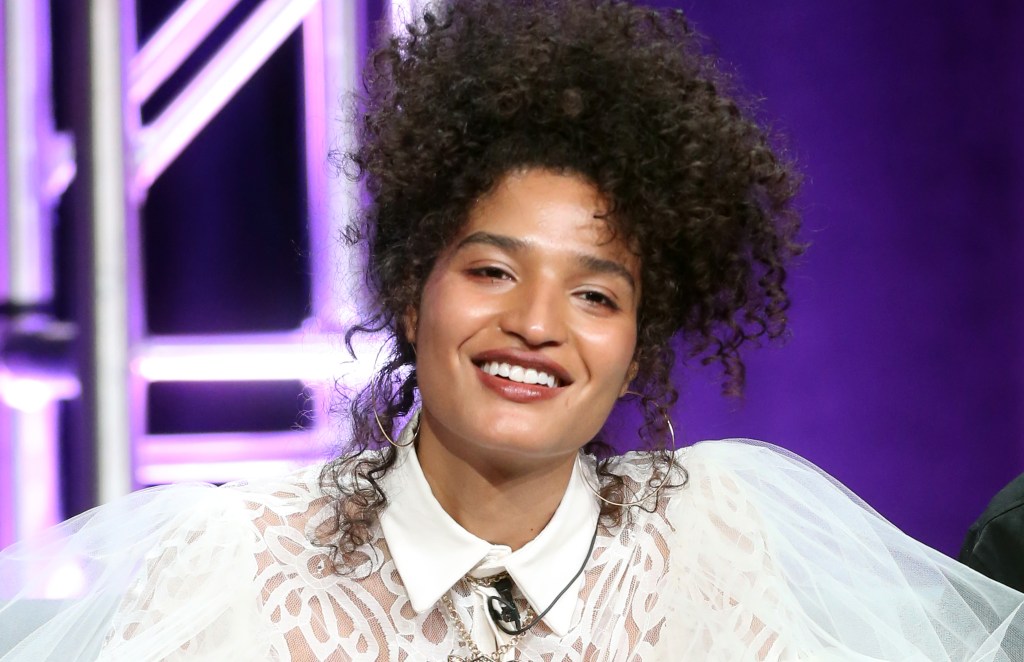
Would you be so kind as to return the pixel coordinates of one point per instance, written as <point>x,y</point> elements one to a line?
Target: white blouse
<point>432,553</point>
<point>761,556</point>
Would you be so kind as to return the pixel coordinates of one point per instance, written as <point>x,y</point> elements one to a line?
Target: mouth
<point>527,368</point>
<point>519,373</point>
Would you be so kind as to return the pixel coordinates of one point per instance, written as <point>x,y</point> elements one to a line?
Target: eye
<point>490,273</point>
<point>596,298</point>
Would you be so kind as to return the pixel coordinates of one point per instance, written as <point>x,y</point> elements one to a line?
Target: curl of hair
<point>619,95</point>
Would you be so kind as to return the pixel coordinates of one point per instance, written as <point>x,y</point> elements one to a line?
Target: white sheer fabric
<point>760,557</point>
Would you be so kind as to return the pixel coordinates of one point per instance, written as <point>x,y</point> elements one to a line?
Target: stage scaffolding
<point>108,359</point>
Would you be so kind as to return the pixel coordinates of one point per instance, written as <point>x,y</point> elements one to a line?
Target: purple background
<point>903,371</point>
<point>902,375</point>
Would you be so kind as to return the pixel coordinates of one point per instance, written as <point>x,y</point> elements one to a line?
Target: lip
<point>538,362</point>
<point>518,391</point>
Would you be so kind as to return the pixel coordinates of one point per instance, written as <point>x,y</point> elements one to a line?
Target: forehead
<point>548,210</point>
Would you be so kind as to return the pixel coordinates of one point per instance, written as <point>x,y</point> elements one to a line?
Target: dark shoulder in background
<point>995,542</point>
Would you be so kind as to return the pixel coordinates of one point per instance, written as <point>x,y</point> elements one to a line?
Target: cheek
<point>430,329</point>
<point>625,359</point>
<point>610,351</point>
<point>448,313</point>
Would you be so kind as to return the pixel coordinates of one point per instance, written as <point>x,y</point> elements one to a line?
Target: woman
<point>559,190</point>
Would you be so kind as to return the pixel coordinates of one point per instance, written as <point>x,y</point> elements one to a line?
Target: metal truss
<point>37,165</point>
<point>120,158</point>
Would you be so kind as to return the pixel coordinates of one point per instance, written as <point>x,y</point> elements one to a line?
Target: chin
<point>530,440</point>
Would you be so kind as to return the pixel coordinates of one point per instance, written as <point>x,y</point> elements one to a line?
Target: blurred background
<point>173,289</point>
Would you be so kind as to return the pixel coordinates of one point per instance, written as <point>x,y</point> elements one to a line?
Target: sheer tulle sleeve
<point>775,560</point>
<point>161,574</point>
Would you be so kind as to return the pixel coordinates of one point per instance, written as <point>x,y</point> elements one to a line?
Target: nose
<point>537,314</point>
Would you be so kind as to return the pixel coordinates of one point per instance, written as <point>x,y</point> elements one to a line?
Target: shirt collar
<point>432,551</point>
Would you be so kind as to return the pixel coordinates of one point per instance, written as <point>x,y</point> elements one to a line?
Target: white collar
<point>432,551</point>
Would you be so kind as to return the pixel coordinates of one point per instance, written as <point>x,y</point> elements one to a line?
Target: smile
<point>518,373</point>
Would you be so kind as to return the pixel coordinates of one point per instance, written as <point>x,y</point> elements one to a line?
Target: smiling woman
<point>560,190</point>
<point>534,284</point>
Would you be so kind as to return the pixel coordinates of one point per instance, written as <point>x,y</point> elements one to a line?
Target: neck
<point>498,497</point>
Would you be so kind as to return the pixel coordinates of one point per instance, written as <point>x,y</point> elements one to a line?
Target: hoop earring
<point>376,417</point>
<point>661,484</point>
<point>389,439</point>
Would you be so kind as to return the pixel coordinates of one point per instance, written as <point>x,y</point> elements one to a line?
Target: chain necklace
<point>485,581</point>
<point>465,639</point>
<point>517,634</point>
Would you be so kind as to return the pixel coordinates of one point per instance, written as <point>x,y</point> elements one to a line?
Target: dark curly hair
<point>619,95</point>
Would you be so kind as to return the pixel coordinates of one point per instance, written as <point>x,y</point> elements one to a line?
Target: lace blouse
<point>761,556</point>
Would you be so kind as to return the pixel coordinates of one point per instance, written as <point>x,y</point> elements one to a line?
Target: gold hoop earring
<point>661,484</point>
<point>389,439</point>
<point>376,417</point>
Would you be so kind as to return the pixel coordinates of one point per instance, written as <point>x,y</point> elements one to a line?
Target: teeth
<point>517,373</point>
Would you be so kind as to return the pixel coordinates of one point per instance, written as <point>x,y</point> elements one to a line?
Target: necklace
<point>485,581</point>
<point>475,654</point>
<point>517,634</point>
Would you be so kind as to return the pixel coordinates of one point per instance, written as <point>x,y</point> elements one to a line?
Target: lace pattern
<point>313,614</point>
<point>760,557</point>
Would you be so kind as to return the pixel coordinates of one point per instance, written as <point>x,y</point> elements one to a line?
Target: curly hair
<point>619,95</point>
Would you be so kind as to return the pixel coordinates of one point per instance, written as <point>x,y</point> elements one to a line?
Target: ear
<point>631,374</point>
<point>409,324</point>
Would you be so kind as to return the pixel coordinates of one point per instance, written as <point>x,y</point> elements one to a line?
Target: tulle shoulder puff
<point>162,574</point>
<point>195,597</point>
<point>775,560</point>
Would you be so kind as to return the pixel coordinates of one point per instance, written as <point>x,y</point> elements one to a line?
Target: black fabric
<point>995,542</point>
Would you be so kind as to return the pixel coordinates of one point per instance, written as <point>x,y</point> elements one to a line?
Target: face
<point>526,329</point>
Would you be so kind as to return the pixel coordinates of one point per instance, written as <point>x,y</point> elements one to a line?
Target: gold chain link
<point>485,581</point>
<point>467,640</point>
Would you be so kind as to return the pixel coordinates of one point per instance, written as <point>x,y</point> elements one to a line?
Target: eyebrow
<point>513,245</point>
